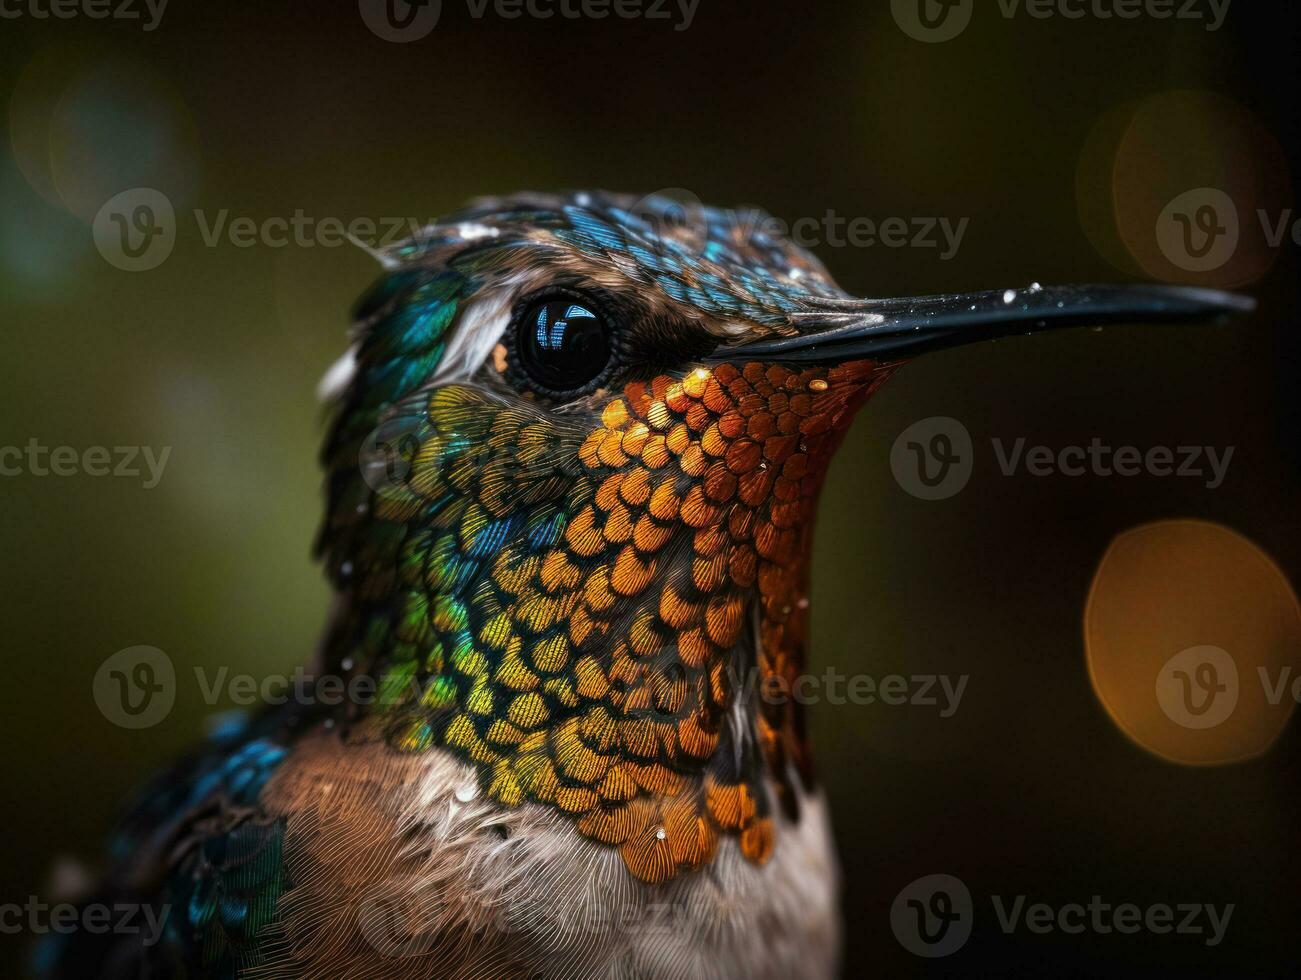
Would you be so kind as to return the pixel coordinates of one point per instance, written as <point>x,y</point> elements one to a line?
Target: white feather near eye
<point>470,231</point>
<point>338,377</point>
<point>479,329</point>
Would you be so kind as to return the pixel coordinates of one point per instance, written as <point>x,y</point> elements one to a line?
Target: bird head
<point>572,477</point>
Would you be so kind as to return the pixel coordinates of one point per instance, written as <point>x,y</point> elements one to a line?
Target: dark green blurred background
<point>270,108</point>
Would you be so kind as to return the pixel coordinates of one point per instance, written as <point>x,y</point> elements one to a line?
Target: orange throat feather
<point>584,606</point>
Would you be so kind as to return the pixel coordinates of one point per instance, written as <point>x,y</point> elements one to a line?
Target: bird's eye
<point>563,345</point>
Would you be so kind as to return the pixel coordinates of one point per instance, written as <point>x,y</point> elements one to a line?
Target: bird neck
<point>594,649</point>
<point>669,596</point>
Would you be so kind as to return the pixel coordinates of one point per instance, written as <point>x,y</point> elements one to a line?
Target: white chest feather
<point>401,868</point>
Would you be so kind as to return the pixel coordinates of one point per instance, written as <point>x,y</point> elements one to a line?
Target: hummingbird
<point>572,470</point>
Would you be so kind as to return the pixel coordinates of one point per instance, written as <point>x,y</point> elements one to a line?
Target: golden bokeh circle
<point>1185,186</point>
<point>1193,640</point>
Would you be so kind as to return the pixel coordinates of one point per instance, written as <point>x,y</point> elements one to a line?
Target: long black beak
<point>836,330</point>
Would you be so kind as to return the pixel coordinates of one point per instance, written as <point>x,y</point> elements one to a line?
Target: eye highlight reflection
<point>563,346</point>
